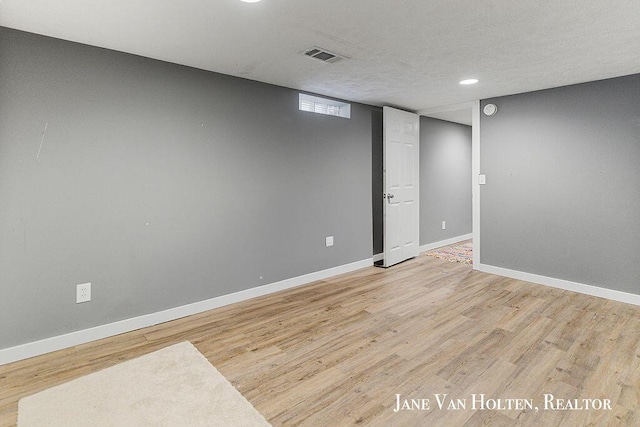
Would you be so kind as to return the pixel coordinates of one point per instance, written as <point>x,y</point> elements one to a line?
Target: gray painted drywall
<point>445,180</point>
<point>161,185</point>
<point>562,197</point>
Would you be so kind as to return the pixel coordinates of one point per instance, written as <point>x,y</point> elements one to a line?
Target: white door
<point>401,158</point>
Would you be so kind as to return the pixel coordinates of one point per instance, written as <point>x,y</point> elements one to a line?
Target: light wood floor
<point>336,352</point>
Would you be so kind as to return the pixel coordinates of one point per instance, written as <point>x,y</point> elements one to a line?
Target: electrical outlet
<point>444,225</point>
<point>328,241</point>
<point>83,293</point>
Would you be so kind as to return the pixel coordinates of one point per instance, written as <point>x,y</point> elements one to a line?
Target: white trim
<point>563,284</point>
<point>447,242</point>
<point>378,257</point>
<point>446,108</point>
<point>475,186</point>
<point>59,342</point>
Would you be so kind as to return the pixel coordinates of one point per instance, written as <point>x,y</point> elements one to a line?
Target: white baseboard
<point>378,257</point>
<point>48,345</point>
<point>563,284</point>
<point>451,241</point>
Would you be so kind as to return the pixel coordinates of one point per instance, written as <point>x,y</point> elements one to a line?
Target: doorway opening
<point>465,247</point>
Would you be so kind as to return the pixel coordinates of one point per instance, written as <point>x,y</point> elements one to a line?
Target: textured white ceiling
<point>409,54</point>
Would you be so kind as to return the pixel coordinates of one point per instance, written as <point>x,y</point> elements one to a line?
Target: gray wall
<point>377,188</point>
<point>562,197</point>
<point>445,180</point>
<point>161,185</point>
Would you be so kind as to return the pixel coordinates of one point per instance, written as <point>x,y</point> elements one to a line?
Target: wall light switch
<point>444,225</point>
<point>482,179</point>
<point>329,241</point>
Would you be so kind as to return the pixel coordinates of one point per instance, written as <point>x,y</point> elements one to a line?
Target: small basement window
<point>315,104</point>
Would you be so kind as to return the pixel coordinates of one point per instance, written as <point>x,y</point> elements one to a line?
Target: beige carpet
<point>175,386</point>
<point>461,253</point>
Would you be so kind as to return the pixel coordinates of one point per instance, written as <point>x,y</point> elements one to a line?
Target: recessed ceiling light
<point>469,82</point>
<point>250,1</point>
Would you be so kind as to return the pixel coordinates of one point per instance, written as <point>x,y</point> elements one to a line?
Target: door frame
<point>474,106</point>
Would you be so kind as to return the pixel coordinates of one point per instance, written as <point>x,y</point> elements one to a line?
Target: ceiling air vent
<point>323,55</point>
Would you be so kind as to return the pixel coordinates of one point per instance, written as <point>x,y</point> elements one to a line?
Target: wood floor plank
<point>340,351</point>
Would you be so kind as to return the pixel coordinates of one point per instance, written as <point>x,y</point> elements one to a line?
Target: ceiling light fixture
<point>469,81</point>
<point>250,1</point>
